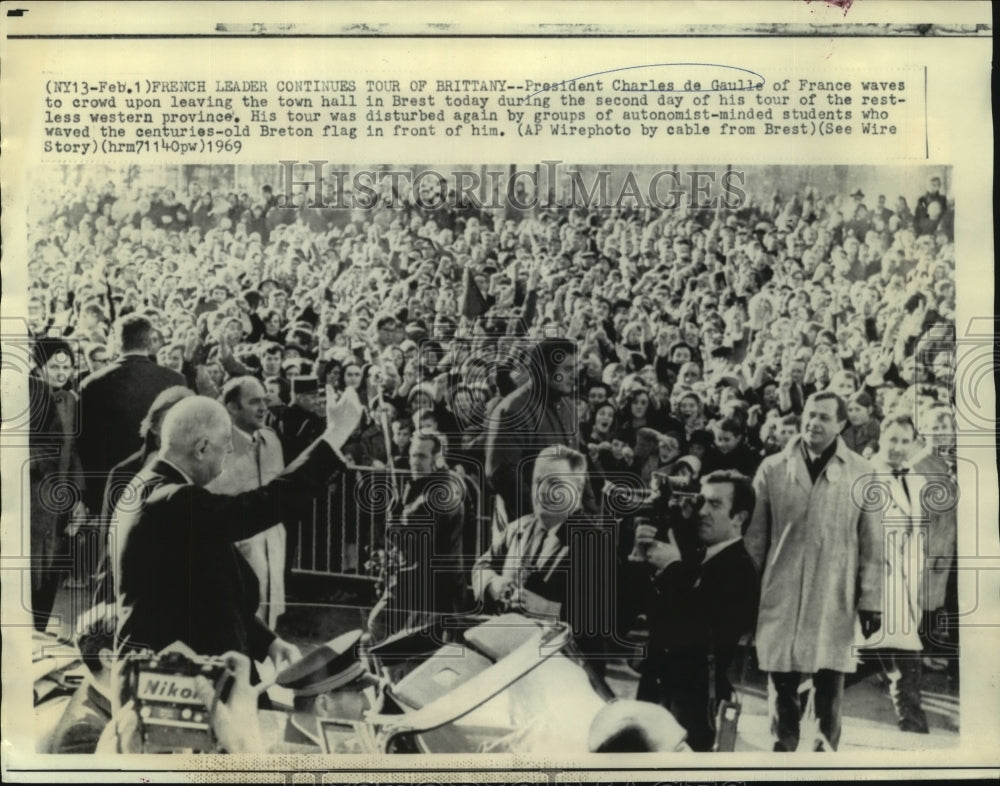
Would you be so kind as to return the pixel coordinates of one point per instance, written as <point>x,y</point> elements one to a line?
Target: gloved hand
<point>871,622</point>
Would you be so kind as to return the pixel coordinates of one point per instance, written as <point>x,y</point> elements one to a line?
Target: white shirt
<point>714,549</point>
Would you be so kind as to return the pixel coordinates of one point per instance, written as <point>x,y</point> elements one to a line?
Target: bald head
<point>196,436</point>
<point>192,419</point>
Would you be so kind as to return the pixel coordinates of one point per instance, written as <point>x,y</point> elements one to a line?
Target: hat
<point>326,668</point>
<point>305,384</point>
<point>859,194</point>
<point>303,352</point>
<point>702,437</point>
<point>47,347</point>
<point>416,328</point>
<point>691,462</point>
<point>423,387</point>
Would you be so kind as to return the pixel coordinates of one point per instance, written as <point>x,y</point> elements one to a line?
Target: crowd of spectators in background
<point>696,337</point>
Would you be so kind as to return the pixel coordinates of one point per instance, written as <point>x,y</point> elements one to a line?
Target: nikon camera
<point>172,719</point>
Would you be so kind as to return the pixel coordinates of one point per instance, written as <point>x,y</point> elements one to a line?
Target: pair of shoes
<point>780,747</point>
<point>915,725</point>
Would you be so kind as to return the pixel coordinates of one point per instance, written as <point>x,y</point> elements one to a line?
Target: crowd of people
<point>655,355</point>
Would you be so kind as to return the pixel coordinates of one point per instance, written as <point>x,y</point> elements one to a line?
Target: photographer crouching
<point>703,599</point>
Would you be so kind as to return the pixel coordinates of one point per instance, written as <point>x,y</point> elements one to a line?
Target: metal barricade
<point>337,533</point>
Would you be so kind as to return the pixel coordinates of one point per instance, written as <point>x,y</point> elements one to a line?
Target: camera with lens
<point>672,509</point>
<point>172,717</point>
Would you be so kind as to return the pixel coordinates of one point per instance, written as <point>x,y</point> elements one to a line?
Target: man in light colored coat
<point>906,528</point>
<point>255,461</point>
<point>817,539</point>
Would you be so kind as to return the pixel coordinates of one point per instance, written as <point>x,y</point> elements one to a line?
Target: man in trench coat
<point>817,538</point>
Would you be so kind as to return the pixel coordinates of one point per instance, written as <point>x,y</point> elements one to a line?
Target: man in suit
<point>935,464</point>
<point>819,546</point>
<point>122,481</point>
<point>435,495</point>
<point>539,413</point>
<point>256,460</point>
<point>898,646</point>
<point>432,578</point>
<point>182,577</point>
<point>531,567</point>
<point>700,607</point>
<point>792,391</point>
<point>46,438</point>
<point>299,424</point>
<point>113,402</point>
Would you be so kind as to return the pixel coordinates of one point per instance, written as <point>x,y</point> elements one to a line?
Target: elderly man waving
<point>182,577</point>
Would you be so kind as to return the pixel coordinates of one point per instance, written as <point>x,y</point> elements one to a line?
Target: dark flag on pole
<point>473,302</point>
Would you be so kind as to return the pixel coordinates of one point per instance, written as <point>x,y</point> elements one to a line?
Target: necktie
<point>257,445</point>
<point>900,474</point>
<point>550,546</point>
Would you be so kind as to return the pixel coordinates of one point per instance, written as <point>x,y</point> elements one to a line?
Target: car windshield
<point>549,708</point>
<point>512,685</point>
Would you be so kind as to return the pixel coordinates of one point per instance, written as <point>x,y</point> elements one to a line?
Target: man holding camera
<point>701,606</point>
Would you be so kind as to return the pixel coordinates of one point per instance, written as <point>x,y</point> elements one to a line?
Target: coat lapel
<point>795,464</point>
<point>168,472</point>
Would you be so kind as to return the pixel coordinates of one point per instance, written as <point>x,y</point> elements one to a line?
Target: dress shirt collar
<point>244,436</point>
<point>181,472</point>
<point>714,549</point>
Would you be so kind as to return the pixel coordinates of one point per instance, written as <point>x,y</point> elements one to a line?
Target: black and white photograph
<point>459,392</point>
<point>492,458</point>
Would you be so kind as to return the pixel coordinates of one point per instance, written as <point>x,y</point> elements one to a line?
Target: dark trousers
<point>904,668</point>
<point>679,682</point>
<point>786,705</point>
<point>44,587</point>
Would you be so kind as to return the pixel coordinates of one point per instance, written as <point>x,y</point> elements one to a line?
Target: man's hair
<point>94,308</point>
<point>577,461</point>
<point>791,420</point>
<point>548,353</point>
<point>133,332</point>
<point>190,420</point>
<point>601,386</point>
<point>270,348</point>
<point>232,390</point>
<point>863,399</point>
<point>732,425</point>
<point>829,395</point>
<point>744,497</point>
<point>914,301</point>
<point>426,434</point>
<point>827,334</point>
<point>95,630</point>
<point>163,402</point>
<point>899,420</point>
<point>94,349</point>
<point>284,388</point>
